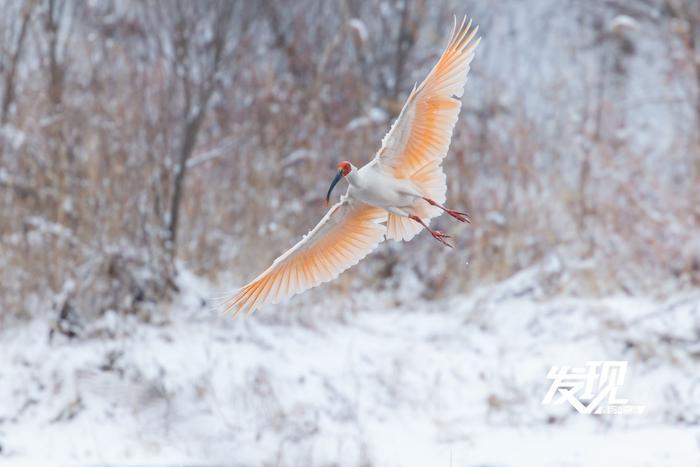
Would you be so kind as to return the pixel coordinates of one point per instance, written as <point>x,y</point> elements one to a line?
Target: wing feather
<point>346,234</point>
<point>422,132</point>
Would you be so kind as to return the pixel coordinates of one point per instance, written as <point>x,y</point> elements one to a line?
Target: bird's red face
<point>344,168</point>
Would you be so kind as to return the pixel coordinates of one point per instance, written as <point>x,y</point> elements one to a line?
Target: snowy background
<point>450,382</point>
<point>153,155</point>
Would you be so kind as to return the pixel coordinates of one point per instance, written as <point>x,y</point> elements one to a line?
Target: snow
<point>12,137</point>
<point>378,374</point>
<point>374,115</point>
<point>360,28</point>
<point>457,381</point>
<point>622,23</point>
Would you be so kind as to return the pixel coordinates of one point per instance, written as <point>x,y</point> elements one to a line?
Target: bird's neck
<point>353,178</point>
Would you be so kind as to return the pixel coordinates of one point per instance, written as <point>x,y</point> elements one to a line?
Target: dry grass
<point>96,128</point>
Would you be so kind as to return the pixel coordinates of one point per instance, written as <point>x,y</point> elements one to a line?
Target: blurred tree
<point>13,54</point>
<point>134,134</point>
<point>200,36</point>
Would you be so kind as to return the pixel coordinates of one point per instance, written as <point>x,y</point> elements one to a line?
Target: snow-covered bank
<point>456,382</point>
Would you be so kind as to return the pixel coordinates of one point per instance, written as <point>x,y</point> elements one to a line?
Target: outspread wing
<point>346,234</point>
<point>421,134</point>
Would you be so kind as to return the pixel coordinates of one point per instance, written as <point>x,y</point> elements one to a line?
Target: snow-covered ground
<point>457,382</point>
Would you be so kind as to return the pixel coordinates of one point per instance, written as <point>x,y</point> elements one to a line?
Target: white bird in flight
<point>393,196</point>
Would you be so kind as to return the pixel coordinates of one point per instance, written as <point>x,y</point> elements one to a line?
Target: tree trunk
<point>9,94</point>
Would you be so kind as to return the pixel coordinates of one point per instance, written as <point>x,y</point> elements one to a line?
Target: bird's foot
<point>460,216</point>
<point>437,235</point>
<point>440,237</point>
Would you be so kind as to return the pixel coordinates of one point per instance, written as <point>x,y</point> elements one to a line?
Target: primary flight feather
<point>393,196</point>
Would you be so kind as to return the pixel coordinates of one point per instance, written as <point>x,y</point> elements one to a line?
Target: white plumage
<point>394,196</point>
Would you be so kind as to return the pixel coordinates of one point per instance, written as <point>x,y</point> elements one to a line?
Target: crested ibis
<point>394,196</point>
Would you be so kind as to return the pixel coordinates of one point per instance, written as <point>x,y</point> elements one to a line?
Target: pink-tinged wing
<point>422,132</point>
<point>346,234</point>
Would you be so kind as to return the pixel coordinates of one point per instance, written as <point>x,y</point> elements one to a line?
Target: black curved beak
<point>335,181</point>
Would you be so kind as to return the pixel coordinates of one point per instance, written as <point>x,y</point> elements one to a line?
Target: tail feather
<point>401,228</point>
<point>431,182</point>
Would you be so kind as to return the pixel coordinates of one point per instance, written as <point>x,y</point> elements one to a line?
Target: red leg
<point>437,235</point>
<point>460,216</point>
